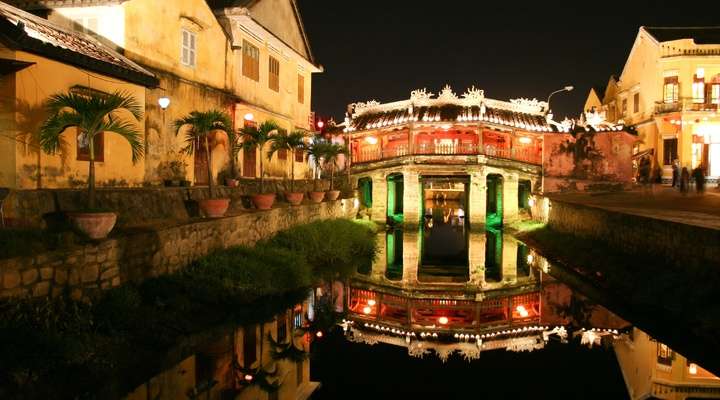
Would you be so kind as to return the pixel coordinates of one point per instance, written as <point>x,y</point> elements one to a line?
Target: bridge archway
<point>395,193</point>
<point>494,202</point>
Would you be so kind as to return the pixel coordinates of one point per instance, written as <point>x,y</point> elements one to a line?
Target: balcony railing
<point>527,155</point>
<point>686,104</point>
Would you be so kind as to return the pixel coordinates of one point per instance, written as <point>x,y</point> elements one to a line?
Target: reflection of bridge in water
<point>498,297</point>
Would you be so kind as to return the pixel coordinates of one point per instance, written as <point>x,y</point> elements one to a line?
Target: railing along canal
<point>528,155</point>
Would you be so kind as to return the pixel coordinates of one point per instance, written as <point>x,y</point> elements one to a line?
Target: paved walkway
<point>662,203</point>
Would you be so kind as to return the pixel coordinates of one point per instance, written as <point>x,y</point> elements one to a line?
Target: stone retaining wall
<point>112,262</point>
<point>680,244</point>
<point>136,206</point>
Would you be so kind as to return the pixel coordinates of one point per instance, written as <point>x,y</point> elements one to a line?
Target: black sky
<point>382,50</point>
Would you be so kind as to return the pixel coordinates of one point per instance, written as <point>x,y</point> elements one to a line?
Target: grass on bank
<point>59,348</point>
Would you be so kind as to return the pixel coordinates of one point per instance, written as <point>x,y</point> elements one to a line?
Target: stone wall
<point>136,206</point>
<point>84,269</point>
<point>680,244</point>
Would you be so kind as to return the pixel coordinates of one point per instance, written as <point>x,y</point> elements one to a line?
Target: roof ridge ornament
<point>421,97</point>
<point>529,103</point>
<point>473,97</point>
<point>362,107</point>
<point>447,95</point>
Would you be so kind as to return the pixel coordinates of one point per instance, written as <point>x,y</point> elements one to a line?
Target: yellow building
<point>251,59</point>
<point>39,59</point>
<point>653,370</point>
<point>670,90</point>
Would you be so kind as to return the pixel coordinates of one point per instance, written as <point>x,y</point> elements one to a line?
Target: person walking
<point>699,176</point>
<point>675,172</point>
<point>684,181</point>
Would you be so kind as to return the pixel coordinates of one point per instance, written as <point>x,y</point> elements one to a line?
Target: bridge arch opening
<point>395,192</point>
<point>494,202</point>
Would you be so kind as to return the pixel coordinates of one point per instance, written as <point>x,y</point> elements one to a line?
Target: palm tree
<point>199,125</point>
<point>291,142</point>
<point>256,138</point>
<point>317,152</point>
<point>92,113</point>
<point>331,155</point>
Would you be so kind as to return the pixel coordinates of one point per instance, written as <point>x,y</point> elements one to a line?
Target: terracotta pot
<point>214,208</point>
<point>294,198</point>
<point>232,182</point>
<point>263,201</point>
<point>317,197</point>
<point>332,195</point>
<point>95,225</point>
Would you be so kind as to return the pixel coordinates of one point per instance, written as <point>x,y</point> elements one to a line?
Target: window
<point>664,354</point>
<point>83,148</point>
<point>671,89</point>
<point>636,103</point>
<point>282,154</point>
<point>669,151</point>
<point>189,48</point>
<point>274,74</point>
<point>623,111</point>
<point>251,61</point>
<point>301,89</point>
<point>715,93</point>
<point>249,156</point>
<point>298,316</point>
<point>249,346</point>
<point>698,89</point>
<point>299,156</point>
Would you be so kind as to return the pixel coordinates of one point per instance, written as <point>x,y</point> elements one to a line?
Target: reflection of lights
<point>356,203</point>
<point>525,140</point>
<point>371,302</point>
<point>530,259</point>
<point>249,117</point>
<point>443,320</point>
<point>692,369</point>
<point>371,139</point>
<point>319,334</point>
<point>367,310</point>
<point>248,377</point>
<point>522,311</point>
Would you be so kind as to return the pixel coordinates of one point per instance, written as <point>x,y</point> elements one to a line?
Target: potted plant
<point>256,138</point>
<point>92,113</point>
<point>316,151</point>
<point>198,127</point>
<point>291,142</point>
<point>330,156</point>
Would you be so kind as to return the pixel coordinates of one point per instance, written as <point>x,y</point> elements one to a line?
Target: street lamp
<point>565,89</point>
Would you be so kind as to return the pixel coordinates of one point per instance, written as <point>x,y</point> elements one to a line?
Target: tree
<point>256,138</point>
<point>199,125</point>
<point>291,142</point>
<point>317,151</point>
<point>92,113</point>
<point>331,156</point>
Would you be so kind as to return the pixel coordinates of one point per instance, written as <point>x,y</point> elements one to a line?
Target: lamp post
<point>565,89</point>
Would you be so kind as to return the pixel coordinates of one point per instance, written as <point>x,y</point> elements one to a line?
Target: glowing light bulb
<point>367,310</point>
<point>371,139</point>
<point>319,334</point>
<point>371,302</point>
<point>522,311</point>
<point>530,259</point>
<point>525,140</point>
<point>443,320</point>
<point>692,369</point>
<point>248,377</point>
<point>164,102</point>
<point>249,117</point>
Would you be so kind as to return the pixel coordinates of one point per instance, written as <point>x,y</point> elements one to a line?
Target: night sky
<point>384,49</point>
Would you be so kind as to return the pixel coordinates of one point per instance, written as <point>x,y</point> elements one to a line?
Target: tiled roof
<point>28,32</point>
<point>452,113</point>
<point>214,4</point>
<point>46,4</point>
<point>700,34</point>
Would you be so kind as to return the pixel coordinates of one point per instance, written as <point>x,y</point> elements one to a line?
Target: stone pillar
<point>379,198</point>
<point>477,198</point>
<point>476,258</point>
<point>411,256</point>
<point>509,259</point>
<point>380,263</point>
<point>411,198</point>
<point>510,198</point>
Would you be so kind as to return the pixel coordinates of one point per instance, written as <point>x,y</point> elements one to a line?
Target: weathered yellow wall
<point>32,87</point>
<point>7,125</point>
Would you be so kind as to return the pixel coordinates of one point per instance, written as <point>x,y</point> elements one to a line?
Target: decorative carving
<point>447,95</point>
<point>534,103</point>
<point>421,97</point>
<point>473,97</point>
<point>361,107</point>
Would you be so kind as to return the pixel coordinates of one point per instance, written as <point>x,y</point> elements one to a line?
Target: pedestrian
<point>675,173</point>
<point>699,176</point>
<point>644,172</point>
<point>684,181</point>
